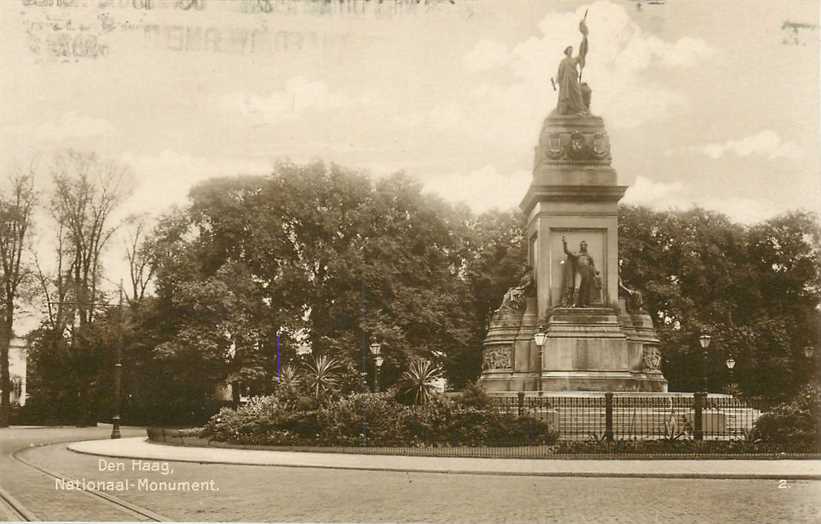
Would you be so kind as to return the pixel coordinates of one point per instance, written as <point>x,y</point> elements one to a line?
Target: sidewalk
<point>141,448</point>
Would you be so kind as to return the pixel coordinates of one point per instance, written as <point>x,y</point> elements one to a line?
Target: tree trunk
<point>235,394</point>
<point>5,378</point>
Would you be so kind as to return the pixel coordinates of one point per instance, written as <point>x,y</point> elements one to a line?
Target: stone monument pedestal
<point>595,340</point>
<point>586,349</point>
<point>590,349</point>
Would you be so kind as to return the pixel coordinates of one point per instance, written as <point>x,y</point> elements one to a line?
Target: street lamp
<point>539,337</point>
<point>704,341</point>
<point>378,361</point>
<point>730,363</point>
<point>118,371</point>
<point>376,349</point>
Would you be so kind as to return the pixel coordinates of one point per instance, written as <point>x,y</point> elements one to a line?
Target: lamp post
<point>700,398</point>
<point>730,363</point>
<point>539,338</point>
<point>378,361</point>
<point>376,349</point>
<point>118,370</point>
<point>704,341</point>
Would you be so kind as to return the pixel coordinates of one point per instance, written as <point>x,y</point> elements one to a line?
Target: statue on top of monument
<point>574,96</point>
<point>581,282</point>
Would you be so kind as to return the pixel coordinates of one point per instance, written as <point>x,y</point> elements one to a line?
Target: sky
<point>713,104</point>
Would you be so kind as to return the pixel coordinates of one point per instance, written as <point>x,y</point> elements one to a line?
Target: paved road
<point>36,491</point>
<point>266,493</point>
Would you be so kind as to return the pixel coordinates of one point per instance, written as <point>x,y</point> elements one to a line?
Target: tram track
<point>17,511</point>
<point>13,508</point>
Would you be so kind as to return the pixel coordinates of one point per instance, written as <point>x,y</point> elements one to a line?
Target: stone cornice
<point>563,193</point>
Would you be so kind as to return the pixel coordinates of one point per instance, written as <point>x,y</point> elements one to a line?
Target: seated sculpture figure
<point>634,299</point>
<point>514,299</point>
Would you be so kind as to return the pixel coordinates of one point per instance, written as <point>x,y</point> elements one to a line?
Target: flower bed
<point>682,449</point>
<point>374,420</point>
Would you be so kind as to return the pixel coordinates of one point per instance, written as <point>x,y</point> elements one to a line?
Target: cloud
<point>483,188</point>
<point>766,144</point>
<point>70,125</point>
<point>166,178</point>
<point>485,55</point>
<point>619,68</point>
<point>664,196</point>
<point>647,192</point>
<point>686,52</point>
<point>298,96</point>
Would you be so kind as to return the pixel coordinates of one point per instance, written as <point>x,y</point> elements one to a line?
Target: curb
<point>564,474</point>
<point>164,437</point>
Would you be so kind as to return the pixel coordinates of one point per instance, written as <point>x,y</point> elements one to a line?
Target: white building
<point>18,358</point>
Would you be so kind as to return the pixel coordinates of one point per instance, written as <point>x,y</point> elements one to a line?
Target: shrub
<point>373,418</point>
<point>794,425</point>
<point>475,397</point>
<point>661,446</point>
<point>322,376</point>
<point>520,431</point>
<point>418,384</point>
<point>429,424</point>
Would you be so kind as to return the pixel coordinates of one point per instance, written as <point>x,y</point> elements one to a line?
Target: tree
<point>754,289</point>
<point>16,207</point>
<point>493,256</point>
<point>87,191</point>
<point>140,253</point>
<point>323,253</point>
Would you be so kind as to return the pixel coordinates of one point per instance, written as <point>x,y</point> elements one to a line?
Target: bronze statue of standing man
<point>582,282</point>
<point>574,96</point>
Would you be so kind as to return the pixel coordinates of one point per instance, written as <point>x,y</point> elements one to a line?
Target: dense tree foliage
<point>323,256</point>
<point>755,290</point>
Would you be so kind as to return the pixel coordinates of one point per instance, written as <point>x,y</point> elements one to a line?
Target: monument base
<point>586,349</point>
<point>603,381</point>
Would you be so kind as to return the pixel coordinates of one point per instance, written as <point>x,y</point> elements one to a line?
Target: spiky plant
<point>418,383</point>
<point>322,375</point>
<point>289,377</point>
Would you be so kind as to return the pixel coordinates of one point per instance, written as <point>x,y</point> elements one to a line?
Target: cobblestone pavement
<point>269,493</point>
<point>36,491</point>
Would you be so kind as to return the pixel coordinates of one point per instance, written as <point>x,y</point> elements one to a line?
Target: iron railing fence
<point>636,416</point>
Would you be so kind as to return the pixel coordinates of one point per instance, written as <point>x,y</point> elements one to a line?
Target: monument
<point>598,335</point>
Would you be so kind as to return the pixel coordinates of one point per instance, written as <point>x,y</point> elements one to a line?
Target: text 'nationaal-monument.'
<point>598,335</point>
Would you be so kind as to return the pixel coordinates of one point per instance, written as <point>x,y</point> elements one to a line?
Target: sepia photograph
<point>422,261</point>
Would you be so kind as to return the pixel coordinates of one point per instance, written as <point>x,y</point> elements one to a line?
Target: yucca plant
<point>289,377</point>
<point>322,375</point>
<point>418,383</point>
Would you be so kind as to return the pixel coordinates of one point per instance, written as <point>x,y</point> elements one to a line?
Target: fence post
<point>608,416</point>
<point>521,402</point>
<point>698,410</point>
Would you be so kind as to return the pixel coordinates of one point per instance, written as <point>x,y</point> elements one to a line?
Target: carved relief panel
<point>497,357</point>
